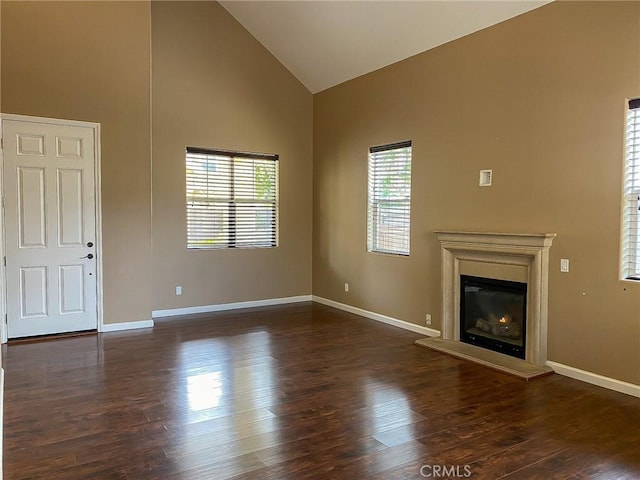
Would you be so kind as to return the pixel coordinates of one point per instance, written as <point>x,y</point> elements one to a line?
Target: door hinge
<point>4,261</point>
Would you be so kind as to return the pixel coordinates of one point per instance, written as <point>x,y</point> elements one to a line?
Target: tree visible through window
<point>389,206</point>
<point>631,213</point>
<point>232,199</point>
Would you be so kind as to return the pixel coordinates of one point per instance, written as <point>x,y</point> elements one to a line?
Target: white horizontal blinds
<point>389,206</point>
<point>631,215</point>
<point>208,200</point>
<point>232,199</point>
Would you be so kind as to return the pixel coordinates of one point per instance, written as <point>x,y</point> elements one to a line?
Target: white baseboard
<point>173,312</point>
<point>116,327</point>
<point>430,332</point>
<point>595,379</point>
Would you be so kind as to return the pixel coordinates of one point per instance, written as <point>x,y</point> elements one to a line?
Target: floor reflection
<point>388,406</point>
<point>227,384</point>
<point>389,411</point>
<point>204,390</point>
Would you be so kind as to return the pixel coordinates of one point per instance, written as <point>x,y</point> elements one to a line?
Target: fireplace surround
<point>497,254</point>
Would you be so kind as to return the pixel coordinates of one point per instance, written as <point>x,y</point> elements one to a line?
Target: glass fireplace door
<point>493,314</point>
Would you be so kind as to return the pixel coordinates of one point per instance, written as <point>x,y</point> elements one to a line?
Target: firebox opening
<point>493,314</point>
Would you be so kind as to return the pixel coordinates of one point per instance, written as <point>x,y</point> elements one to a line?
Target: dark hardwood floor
<point>297,392</point>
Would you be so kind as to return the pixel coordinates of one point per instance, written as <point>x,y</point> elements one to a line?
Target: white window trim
<point>630,224</point>
<point>233,201</point>
<point>373,245</point>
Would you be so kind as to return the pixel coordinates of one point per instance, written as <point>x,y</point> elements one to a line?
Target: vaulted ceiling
<point>324,43</point>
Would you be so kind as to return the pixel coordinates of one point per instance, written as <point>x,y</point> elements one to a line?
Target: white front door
<point>50,227</point>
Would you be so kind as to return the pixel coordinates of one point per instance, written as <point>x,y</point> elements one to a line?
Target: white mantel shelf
<point>528,250</point>
<point>494,238</point>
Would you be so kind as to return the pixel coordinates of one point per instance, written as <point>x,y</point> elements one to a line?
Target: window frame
<point>233,201</point>
<point>630,224</point>
<point>373,202</point>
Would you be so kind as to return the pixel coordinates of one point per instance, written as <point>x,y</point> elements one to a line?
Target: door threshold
<point>53,336</point>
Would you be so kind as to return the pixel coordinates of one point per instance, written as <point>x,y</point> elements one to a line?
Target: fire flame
<point>504,319</point>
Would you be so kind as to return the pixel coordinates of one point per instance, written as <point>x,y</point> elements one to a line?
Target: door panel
<point>49,221</point>
<point>69,147</point>
<point>72,289</point>
<point>33,291</point>
<point>70,211</point>
<point>30,144</point>
<point>32,214</point>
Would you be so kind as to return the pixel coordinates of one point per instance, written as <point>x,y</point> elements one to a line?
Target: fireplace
<point>522,257</point>
<point>493,314</point>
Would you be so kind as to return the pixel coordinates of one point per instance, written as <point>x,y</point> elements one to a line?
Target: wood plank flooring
<point>297,392</point>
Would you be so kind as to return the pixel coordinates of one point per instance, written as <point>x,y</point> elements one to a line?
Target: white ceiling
<point>324,43</point>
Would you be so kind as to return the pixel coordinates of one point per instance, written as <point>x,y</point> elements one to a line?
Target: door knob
<point>90,244</point>
<point>89,256</point>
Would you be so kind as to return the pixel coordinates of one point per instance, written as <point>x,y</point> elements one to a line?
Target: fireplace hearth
<point>493,314</point>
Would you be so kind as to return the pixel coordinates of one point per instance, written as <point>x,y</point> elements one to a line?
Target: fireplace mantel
<point>492,239</point>
<point>527,250</point>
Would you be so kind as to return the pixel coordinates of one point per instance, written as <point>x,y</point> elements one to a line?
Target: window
<point>631,214</point>
<point>232,199</point>
<point>389,208</point>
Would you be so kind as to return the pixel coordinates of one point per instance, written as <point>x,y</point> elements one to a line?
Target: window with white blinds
<point>631,213</point>
<point>389,206</point>
<point>232,199</point>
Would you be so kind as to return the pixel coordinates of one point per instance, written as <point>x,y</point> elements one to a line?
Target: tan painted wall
<point>215,86</point>
<point>91,61</point>
<point>539,99</point>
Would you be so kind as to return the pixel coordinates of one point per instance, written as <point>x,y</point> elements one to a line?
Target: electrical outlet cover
<point>486,177</point>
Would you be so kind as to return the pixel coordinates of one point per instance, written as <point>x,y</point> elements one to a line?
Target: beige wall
<point>215,86</point>
<point>91,61</point>
<point>539,99</point>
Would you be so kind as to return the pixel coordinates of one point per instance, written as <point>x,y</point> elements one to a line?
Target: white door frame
<point>98,213</point>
